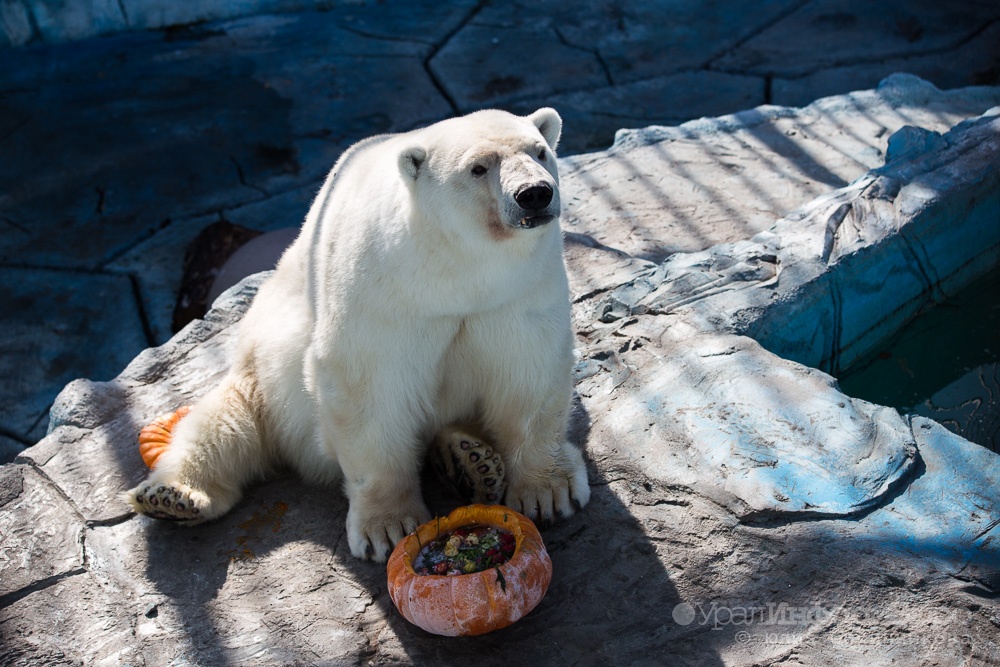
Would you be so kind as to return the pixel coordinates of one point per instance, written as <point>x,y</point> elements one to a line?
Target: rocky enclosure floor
<point>744,511</point>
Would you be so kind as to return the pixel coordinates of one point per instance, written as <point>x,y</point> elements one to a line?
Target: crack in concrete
<point>243,180</point>
<point>837,333</point>
<point>17,126</point>
<point>881,58</point>
<point>147,327</point>
<point>111,521</point>
<point>594,52</point>
<point>439,84</point>
<point>99,208</point>
<point>781,16</point>
<point>18,595</point>
<point>921,260</point>
<point>383,38</point>
<point>12,223</point>
<point>147,234</point>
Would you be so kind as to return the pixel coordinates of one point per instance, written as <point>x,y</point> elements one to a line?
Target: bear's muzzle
<point>534,201</point>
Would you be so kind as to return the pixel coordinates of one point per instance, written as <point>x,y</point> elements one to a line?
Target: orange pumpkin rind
<point>476,603</point>
<point>154,439</point>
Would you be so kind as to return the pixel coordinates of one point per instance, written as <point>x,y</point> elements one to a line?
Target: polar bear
<point>426,294</point>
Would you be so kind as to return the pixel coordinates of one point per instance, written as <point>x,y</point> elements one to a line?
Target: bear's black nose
<point>534,197</point>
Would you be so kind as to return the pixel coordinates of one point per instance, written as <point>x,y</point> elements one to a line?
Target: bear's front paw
<point>170,502</point>
<point>374,537</point>
<point>554,492</point>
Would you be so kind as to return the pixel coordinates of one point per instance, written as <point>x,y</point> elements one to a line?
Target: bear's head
<point>488,173</point>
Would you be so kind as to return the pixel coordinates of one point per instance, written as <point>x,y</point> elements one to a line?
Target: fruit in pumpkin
<point>154,439</point>
<point>476,603</point>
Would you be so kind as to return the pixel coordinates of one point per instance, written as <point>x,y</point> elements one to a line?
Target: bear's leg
<point>469,463</point>
<point>214,452</point>
<point>546,474</point>
<point>380,458</point>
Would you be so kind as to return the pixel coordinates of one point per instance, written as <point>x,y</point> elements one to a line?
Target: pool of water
<point>942,365</point>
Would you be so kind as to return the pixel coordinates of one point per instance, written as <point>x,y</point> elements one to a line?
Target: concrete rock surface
<point>744,510</point>
<point>119,150</point>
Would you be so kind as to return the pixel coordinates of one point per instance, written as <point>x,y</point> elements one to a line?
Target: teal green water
<point>953,341</point>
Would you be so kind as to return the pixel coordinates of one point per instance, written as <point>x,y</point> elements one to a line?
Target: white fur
<point>411,300</point>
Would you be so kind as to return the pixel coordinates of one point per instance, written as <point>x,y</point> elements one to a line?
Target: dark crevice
<point>10,435</point>
<point>121,8</point>
<point>383,38</point>
<point>778,519</point>
<point>44,414</point>
<point>36,32</point>
<point>139,240</point>
<point>836,336</point>
<point>17,126</point>
<point>594,52</point>
<point>57,490</point>
<point>18,595</point>
<point>243,180</point>
<point>147,329</point>
<point>16,225</point>
<point>921,261</point>
<point>757,31</point>
<point>112,521</point>
<point>438,84</point>
<point>879,59</point>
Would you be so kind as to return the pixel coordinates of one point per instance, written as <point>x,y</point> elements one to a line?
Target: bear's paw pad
<point>167,502</point>
<point>469,465</point>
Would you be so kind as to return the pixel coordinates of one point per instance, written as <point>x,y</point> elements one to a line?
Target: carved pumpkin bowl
<point>480,601</point>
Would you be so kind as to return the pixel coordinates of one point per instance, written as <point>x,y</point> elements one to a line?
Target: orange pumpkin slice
<point>154,439</point>
<point>476,603</point>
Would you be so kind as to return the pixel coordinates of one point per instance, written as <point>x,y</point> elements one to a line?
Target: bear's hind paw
<point>469,465</point>
<point>168,502</point>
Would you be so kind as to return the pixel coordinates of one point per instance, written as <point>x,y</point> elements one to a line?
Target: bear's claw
<point>168,502</point>
<point>469,465</point>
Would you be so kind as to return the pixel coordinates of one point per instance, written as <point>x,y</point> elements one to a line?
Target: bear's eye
<point>542,154</point>
<point>478,170</point>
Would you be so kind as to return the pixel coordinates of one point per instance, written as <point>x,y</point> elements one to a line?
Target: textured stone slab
<point>57,326</point>
<point>942,519</point>
<point>690,430</point>
<point>933,222</point>
<point>969,406</point>
<point>973,63</point>
<point>61,22</point>
<point>485,63</point>
<point>75,620</point>
<point>592,117</point>
<point>273,583</point>
<point>219,592</point>
<point>681,189</point>
<point>42,535</point>
<point>25,21</point>
<point>826,33</point>
<point>270,132</point>
<point>157,263</point>
<point>931,219</point>
<point>759,434</point>
<point>93,472</point>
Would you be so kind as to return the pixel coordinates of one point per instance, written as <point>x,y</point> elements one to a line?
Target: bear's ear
<point>549,124</point>
<point>410,161</point>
